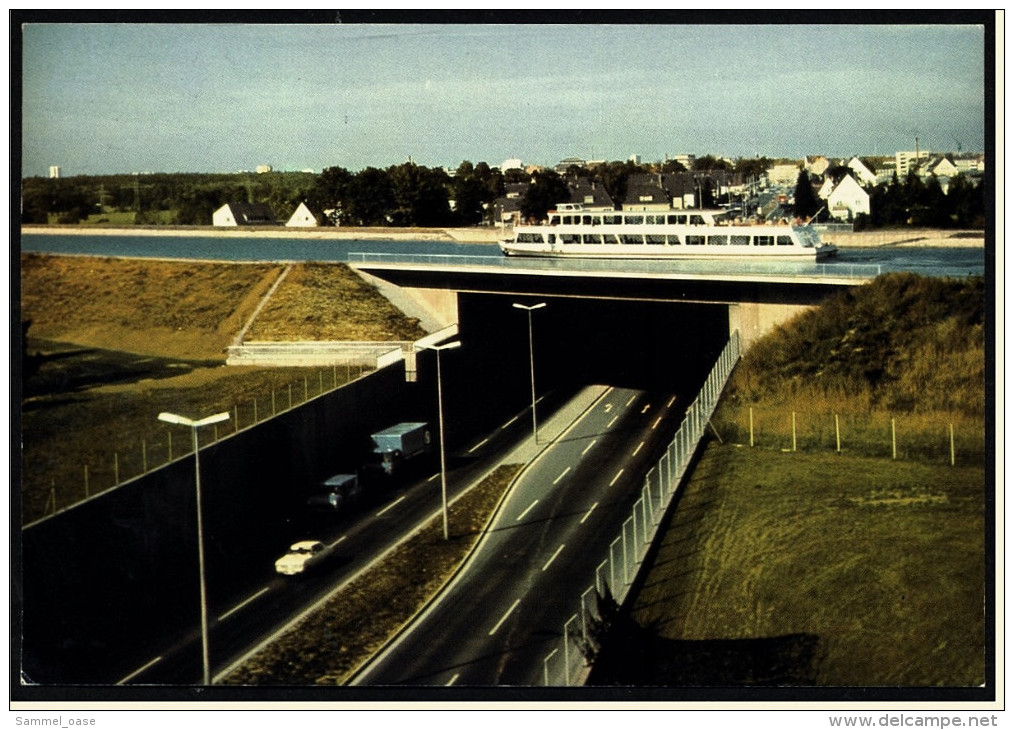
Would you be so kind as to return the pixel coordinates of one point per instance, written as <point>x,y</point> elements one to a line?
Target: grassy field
<point>814,569</point>
<point>113,342</point>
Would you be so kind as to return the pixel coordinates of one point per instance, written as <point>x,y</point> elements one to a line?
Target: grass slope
<point>815,569</point>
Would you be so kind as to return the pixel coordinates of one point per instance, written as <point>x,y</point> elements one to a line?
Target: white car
<point>301,557</point>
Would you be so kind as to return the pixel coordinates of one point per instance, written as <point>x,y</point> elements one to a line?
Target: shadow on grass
<point>633,655</point>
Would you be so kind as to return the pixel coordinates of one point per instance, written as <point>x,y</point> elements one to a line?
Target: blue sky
<point>109,98</point>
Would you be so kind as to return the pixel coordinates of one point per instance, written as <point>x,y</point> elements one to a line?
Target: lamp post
<point>531,361</point>
<point>194,425</point>
<point>440,413</point>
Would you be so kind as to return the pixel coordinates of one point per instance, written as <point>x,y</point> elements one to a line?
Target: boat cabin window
<point>655,239</point>
<point>586,220</point>
<point>677,220</point>
<point>596,220</point>
<point>718,240</point>
<point>554,220</point>
<point>552,238</point>
<point>612,220</point>
<point>631,238</point>
<point>763,240</point>
<point>591,238</point>
<point>529,238</point>
<point>568,220</point>
<point>695,240</point>
<point>739,240</point>
<point>785,240</point>
<point>635,220</point>
<point>570,238</point>
<point>697,220</point>
<point>673,240</point>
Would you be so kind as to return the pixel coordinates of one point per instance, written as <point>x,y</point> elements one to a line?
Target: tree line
<point>414,195</point>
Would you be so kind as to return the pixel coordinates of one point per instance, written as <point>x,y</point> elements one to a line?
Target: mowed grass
<point>816,569</point>
<point>113,342</point>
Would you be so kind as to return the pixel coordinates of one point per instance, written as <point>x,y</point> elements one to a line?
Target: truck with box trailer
<point>395,447</point>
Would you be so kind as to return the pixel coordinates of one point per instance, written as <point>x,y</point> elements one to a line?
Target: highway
<point>505,612</point>
<point>272,603</point>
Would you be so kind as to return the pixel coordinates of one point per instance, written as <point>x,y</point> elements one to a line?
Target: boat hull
<point>667,253</point>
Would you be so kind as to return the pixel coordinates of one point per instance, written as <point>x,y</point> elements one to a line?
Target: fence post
<point>235,415</point>
<point>170,445</point>
<point>306,388</point>
<point>952,443</point>
<point>86,483</point>
<point>255,410</point>
<point>751,426</point>
<point>320,374</point>
<point>837,434</point>
<point>793,430</point>
<point>894,441</point>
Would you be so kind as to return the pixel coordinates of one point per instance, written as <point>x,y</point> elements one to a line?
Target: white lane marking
<point>632,399</point>
<point>509,423</point>
<point>610,424</point>
<point>562,475</point>
<point>504,617</point>
<point>550,561</point>
<point>452,680</point>
<point>240,605</point>
<point>478,445</point>
<point>637,449</point>
<point>133,674</point>
<point>335,543</point>
<point>392,505</point>
<point>527,509</point>
<point>655,424</point>
<point>434,477</point>
<point>671,401</point>
<point>588,447</point>
<point>645,409</point>
<point>616,477</point>
<point>590,510</point>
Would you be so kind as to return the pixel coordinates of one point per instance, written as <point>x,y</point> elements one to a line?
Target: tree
<point>807,203</point>
<point>546,191</point>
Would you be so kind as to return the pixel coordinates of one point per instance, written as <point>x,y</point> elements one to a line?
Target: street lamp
<point>440,409</point>
<point>194,425</point>
<point>531,360</point>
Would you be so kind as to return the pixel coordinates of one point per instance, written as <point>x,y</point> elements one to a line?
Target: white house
<point>861,171</point>
<point>847,199</point>
<point>244,214</point>
<point>302,218</point>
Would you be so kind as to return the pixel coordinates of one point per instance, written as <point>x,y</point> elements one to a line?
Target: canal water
<point>929,261</point>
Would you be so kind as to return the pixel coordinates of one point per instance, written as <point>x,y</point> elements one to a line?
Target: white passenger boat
<point>574,231</point>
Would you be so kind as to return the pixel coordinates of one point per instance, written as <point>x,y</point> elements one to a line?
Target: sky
<point>103,98</point>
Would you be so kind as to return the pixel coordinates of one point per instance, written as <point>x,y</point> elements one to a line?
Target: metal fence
<point>569,663</point>
<point>128,463</point>
<point>668,267</point>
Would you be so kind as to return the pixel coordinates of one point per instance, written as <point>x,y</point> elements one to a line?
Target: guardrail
<point>572,660</point>
<point>627,266</point>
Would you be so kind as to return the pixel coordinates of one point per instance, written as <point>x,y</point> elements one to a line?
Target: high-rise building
<point>54,172</point>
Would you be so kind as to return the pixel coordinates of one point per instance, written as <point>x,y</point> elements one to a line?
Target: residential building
<point>54,172</point>
<point>646,192</point>
<point>261,169</point>
<point>904,161</point>
<point>302,218</point>
<point>846,199</point>
<point>817,166</point>
<point>507,209</point>
<point>785,174</point>
<point>244,214</point>
<point>861,172</point>
<point>565,164</point>
<point>590,195</point>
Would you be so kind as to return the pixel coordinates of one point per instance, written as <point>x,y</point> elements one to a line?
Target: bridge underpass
<point>648,329</point>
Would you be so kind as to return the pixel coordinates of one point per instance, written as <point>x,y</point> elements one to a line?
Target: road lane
<point>528,575</point>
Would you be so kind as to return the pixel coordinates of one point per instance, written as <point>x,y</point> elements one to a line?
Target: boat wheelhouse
<point>573,231</point>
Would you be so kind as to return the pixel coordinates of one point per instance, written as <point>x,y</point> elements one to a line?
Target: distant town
<point>914,187</point>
